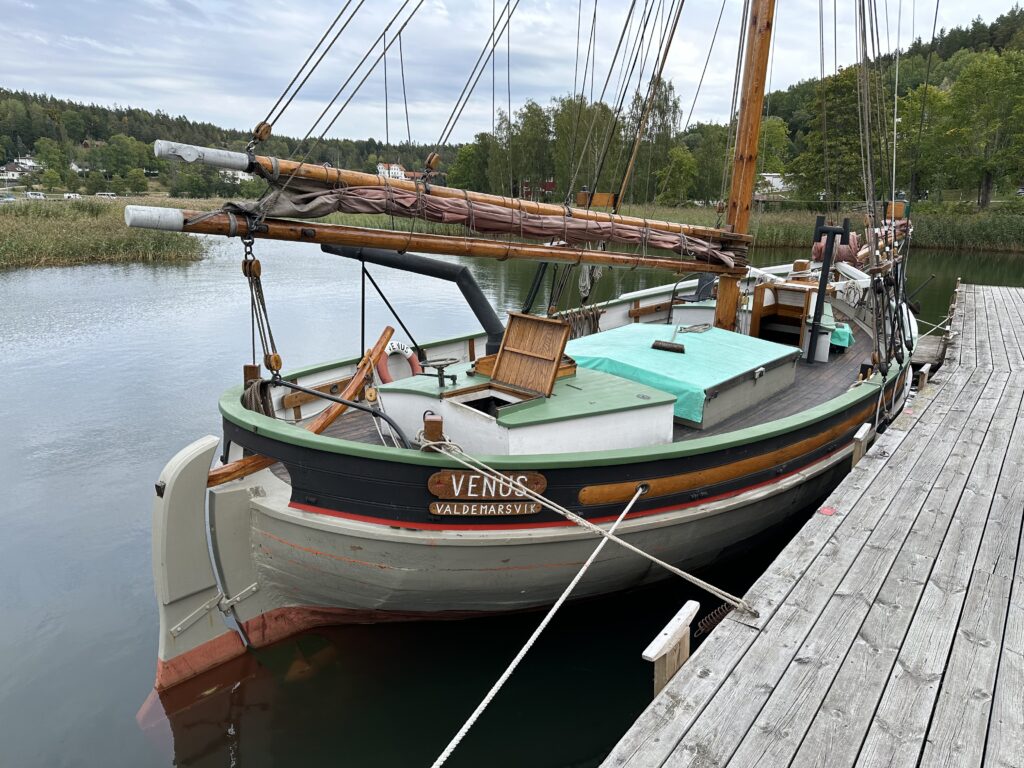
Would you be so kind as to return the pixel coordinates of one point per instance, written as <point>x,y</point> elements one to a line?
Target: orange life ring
<point>405,351</point>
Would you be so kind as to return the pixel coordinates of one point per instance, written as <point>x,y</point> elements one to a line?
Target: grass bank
<point>1000,229</point>
<point>71,232</point>
<point>65,233</point>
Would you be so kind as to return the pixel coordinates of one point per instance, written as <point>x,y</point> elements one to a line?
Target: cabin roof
<point>588,393</point>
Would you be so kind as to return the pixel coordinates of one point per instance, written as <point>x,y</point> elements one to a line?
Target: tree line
<point>960,133</point>
<point>114,145</point>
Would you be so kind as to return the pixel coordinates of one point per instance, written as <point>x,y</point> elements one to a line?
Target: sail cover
<point>301,198</point>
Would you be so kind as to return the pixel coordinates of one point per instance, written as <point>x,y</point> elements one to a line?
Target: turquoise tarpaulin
<point>842,336</point>
<point>711,358</point>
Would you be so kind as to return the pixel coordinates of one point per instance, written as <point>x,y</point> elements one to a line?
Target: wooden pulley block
<point>252,268</point>
<point>433,161</point>
<point>272,361</point>
<point>262,131</point>
<point>370,393</point>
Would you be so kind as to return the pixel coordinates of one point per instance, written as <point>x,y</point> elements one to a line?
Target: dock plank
<point>872,546</point>
<point>654,736</point>
<point>1006,308</point>
<point>982,342</point>
<point>1005,746</point>
<point>967,340</point>
<point>778,730</point>
<point>986,307</point>
<point>897,732</point>
<point>723,724</point>
<point>892,629</point>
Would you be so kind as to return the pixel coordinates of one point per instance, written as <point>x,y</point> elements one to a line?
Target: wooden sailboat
<point>337,497</point>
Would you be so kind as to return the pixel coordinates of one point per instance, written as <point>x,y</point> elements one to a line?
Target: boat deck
<point>891,629</point>
<point>814,383</point>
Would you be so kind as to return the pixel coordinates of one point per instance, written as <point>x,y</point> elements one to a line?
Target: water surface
<point>110,370</point>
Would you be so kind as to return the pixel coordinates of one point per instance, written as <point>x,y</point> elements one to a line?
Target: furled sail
<point>302,198</point>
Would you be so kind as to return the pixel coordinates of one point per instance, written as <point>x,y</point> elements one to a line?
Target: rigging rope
<point>267,119</point>
<point>252,270</point>
<point>575,79</point>
<point>733,122</point>
<point>271,194</point>
<point>604,88</point>
<point>504,18</point>
<point>405,97</point>
<point>895,109</point>
<point>455,452</point>
<point>457,739</point>
<point>822,88</point>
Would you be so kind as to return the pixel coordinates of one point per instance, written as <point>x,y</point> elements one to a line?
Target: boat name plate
<point>472,486</point>
<point>483,508</point>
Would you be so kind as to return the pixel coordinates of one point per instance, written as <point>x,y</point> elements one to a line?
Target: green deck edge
<point>232,410</point>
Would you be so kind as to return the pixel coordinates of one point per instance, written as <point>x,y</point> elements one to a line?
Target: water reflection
<point>393,695</point>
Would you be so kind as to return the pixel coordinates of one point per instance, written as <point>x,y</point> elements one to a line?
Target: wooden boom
<point>274,168</point>
<point>250,464</point>
<point>222,223</point>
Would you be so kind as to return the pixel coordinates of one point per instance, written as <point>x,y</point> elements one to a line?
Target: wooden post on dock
<point>671,648</point>
<point>922,375</point>
<point>860,442</point>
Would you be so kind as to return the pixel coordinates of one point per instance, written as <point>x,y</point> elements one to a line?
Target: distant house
<point>771,188</point>
<point>233,176</point>
<point>28,163</point>
<point>15,170</point>
<point>391,170</point>
<point>78,169</point>
<point>538,190</point>
<point>772,183</point>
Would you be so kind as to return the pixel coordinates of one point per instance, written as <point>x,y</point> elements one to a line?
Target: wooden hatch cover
<point>530,353</point>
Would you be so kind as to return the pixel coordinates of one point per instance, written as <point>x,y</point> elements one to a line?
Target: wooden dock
<point>891,629</point>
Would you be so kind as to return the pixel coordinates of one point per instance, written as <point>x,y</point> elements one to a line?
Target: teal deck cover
<point>842,336</point>
<point>711,358</point>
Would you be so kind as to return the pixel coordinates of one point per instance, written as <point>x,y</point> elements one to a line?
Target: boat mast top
<point>748,130</point>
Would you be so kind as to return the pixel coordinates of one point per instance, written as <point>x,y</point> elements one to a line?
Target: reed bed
<point>73,232</point>
<point>999,229</point>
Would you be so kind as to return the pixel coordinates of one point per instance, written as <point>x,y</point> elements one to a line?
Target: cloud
<point>226,64</point>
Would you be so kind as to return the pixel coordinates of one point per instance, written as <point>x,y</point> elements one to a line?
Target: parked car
<point>35,195</point>
<point>72,196</point>
<point>8,199</point>
<point>110,195</point>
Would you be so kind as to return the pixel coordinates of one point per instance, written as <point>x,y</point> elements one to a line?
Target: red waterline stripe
<point>554,524</point>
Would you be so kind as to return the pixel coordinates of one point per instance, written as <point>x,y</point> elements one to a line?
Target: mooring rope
<point>474,464</point>
<point>457,739</point>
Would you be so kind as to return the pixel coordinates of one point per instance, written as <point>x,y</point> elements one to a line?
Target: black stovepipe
<point>421,265</point>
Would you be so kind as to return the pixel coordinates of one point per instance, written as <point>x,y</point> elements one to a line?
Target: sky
<point>227,62</point>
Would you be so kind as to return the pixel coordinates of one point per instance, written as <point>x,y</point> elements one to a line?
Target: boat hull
<point>354,537</point>
<point>310,560</point>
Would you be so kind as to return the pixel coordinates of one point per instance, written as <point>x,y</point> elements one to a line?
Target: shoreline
<point>59,233</point>
<point>91,231</point>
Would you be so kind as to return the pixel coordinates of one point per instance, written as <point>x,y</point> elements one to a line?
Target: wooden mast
<point>748,129</point>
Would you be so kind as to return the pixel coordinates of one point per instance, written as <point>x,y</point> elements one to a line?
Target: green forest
<point>960,137</point>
